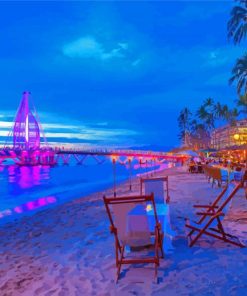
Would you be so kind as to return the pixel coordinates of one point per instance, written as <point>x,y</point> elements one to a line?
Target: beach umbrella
<point>208,150</point>
<point>189,153</point>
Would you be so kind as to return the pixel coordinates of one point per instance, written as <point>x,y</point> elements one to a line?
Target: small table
<point>140,218</point>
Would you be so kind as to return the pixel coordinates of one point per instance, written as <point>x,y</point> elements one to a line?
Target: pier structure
<point>121,156</point>
<point>65,156</point>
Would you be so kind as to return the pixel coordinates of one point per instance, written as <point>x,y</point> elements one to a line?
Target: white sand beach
<point>68,249</point>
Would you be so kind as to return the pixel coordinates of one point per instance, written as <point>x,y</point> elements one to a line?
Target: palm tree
<point>200,134</point>
<point>239,74</point>
<point>184,123</point>
<point>237,25</point>
<point>218,109</point>
<point>202,113</point>
<point>242,103</point>
<point>209,102</point>
<point>206,113</point>
<point>193,126</point>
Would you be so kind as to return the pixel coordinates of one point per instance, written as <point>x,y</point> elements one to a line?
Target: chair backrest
<point>238,176</point>
<point>226,199</point>
<point>157,186</point>
<point>223,202</point>
<point>215,173</point>
<point>139,234</point>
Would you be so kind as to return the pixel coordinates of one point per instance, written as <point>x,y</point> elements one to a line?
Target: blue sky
<point>114,73</point>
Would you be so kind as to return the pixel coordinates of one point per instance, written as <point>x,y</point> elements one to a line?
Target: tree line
<point>204,120</point>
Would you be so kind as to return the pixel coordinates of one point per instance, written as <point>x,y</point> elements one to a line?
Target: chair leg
<point>193,240</point>
<point>156,273</point>
<point>221,229</point>
<point>161,239</point>
<point>156,246</point>
<point>120,263</point>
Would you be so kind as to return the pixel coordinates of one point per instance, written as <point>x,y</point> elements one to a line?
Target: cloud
<point>136,62</point>
<point>74,131</point>
<point>221,56</point>
<point>88,47</point>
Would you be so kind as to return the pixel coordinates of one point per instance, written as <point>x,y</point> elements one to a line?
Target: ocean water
<point>24,190</point>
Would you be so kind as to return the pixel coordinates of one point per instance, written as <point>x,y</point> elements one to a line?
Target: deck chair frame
<point>120,248</point>
<point>213,211</point>
<point>164,179</point>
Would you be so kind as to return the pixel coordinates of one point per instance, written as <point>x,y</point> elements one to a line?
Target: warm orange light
<point>236,137</point>
<point>114,158</point>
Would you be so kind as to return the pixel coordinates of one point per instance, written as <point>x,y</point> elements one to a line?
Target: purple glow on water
<point>29,206</point>
<point>18,210</point>
<point>51,199</point>
<point>26,189</point>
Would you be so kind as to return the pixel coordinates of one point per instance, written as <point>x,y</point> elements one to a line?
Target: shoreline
<point>58,198</point>
<point>68,249</point>
<point>51,197</point>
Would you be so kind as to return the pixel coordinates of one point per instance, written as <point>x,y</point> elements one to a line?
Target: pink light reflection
<point>18,210</point>
<point>29,206</point>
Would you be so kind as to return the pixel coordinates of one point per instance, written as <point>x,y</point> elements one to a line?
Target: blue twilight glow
<point>114,72</point>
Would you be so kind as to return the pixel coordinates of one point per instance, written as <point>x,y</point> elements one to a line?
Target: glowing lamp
<point>149,208</point>
<point>236,137</point>
<point>114,158</point>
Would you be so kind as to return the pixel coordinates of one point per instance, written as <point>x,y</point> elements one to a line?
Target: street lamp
<point>114,159</point>
<point>130,183</point>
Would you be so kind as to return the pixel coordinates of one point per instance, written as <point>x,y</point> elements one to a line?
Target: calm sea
<point>24,190</point>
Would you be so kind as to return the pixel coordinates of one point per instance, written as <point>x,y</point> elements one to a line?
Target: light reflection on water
<point>28,176</point>
<point>26,189</point>
<point>29,206</point>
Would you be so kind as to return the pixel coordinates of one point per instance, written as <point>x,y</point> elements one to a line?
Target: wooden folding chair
<point>157,186</point>
<point>210,222</point>
<point>120,207</point>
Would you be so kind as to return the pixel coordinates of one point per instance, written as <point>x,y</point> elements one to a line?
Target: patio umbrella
<point>189,153</point>
<point>208,150</point>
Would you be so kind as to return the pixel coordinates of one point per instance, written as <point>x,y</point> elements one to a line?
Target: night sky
<point>114,73</point>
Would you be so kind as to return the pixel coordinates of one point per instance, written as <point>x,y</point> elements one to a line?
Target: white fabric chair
<point>157,187</point>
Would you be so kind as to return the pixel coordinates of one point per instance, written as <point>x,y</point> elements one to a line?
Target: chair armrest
<point>205,213</point>
<point>205,206</point>
<point>210,214</point>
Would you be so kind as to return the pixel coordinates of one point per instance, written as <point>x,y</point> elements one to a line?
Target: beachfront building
<point>200,141</point>
<point>230,135</point>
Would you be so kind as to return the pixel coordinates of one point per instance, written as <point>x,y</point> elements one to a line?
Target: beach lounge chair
<point>139,236</point>
<point>211,217</point>
<point>157,186</point>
